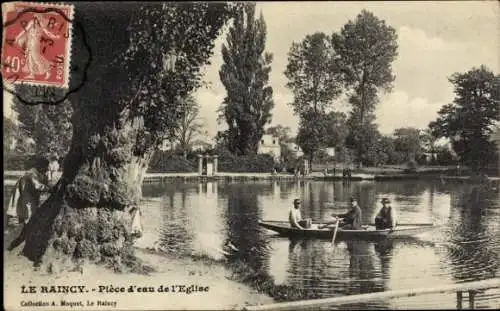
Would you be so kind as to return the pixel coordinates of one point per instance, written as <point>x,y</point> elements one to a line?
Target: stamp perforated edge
<point>10,5</point>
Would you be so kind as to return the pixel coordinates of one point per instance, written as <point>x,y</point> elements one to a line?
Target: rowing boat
<point>283,228</point>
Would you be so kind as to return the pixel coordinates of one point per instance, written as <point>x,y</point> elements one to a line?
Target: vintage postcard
<point>251,155</point>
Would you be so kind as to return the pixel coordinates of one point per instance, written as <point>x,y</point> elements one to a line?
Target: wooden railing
<point>470,287</point>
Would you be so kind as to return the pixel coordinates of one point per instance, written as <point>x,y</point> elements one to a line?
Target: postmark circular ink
<point>37,64</point>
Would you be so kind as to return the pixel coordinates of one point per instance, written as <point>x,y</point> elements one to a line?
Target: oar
<point>335,232</point>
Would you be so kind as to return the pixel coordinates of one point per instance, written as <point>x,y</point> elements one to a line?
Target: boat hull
<point>282,228</point>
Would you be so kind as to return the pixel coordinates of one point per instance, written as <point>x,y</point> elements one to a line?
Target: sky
<point>436,39</point>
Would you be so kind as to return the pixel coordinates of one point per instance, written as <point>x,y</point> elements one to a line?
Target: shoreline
<point>223,176</point>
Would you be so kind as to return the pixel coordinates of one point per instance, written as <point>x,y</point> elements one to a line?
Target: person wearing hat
<point>295,218</point>
<point>386,216</point>
<point>352,219</point>
<point>26,198</point>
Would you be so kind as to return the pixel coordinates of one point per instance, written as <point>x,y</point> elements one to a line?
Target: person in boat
<point>295,217</point>
<point>25,197</point>
<point>386,216</point>
<point>352,219</point>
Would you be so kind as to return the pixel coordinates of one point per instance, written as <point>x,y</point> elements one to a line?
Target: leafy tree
<point>383,151</point>
<point>190,125</point>
<point>336,129</point>
<point>280,131</point>
<point>312,133</point>
<point>245,75</point>
<point>49,126</point>
<point>313,75</point>
<point>444,156</point>
<point>388,152</point>
<point>429,143</point>
<point>361,138</point>
<point>468,121</point>
<point>10,134</point>
<point>120,116</point>
<point>407,141</point>
<point>366,48</point>
<point>428,140</point>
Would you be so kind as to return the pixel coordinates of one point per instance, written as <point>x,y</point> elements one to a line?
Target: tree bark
<point>88,216</point>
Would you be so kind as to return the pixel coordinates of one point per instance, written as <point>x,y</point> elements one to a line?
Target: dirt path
<point>211,289</point>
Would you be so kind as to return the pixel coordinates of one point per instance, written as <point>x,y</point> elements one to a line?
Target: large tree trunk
<point>87,218</point>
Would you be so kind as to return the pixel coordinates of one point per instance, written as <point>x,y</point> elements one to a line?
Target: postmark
<point>36,45</point>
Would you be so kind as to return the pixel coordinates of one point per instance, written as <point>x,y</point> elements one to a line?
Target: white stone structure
<point>270,144</point>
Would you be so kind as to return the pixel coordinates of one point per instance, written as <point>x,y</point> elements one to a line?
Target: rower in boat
<point>386,216</point>
<point>350,220</point>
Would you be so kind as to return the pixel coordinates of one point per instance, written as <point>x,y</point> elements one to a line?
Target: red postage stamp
<point>36,45</point>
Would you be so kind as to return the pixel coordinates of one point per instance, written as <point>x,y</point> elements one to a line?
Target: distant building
<point>12,143</point>
<point>330,151</point>
<point>270,144</point>
<point>201,145</point>
<point>167,145</point>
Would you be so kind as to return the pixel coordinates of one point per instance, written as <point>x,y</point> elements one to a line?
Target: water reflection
<point>475,239</point>
<point>242,229</point>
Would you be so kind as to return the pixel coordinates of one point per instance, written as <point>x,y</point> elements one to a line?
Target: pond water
<point>200,218</point>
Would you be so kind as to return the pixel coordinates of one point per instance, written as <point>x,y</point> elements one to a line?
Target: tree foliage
<point>313,74</point>
<point>336,129</point>
<point>245,75</point>
<point>10,134</point>
<point>168,45</point>
<point>312,132</point>
<point>408,142</point>
<point>280,131</point>
<point>361,138</point>
<point>49,126</point>
<point>468,121</point>
<point>366,48</point>
<point>314,79</point>
<point>428,141</point>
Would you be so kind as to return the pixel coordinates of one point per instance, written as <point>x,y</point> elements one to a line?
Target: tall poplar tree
<point>245,75</point>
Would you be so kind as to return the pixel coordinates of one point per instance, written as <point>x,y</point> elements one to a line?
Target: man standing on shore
<point>25,197</point>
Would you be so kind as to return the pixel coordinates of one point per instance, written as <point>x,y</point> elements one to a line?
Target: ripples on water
<point>202,218</point>
<point>213,218</point>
